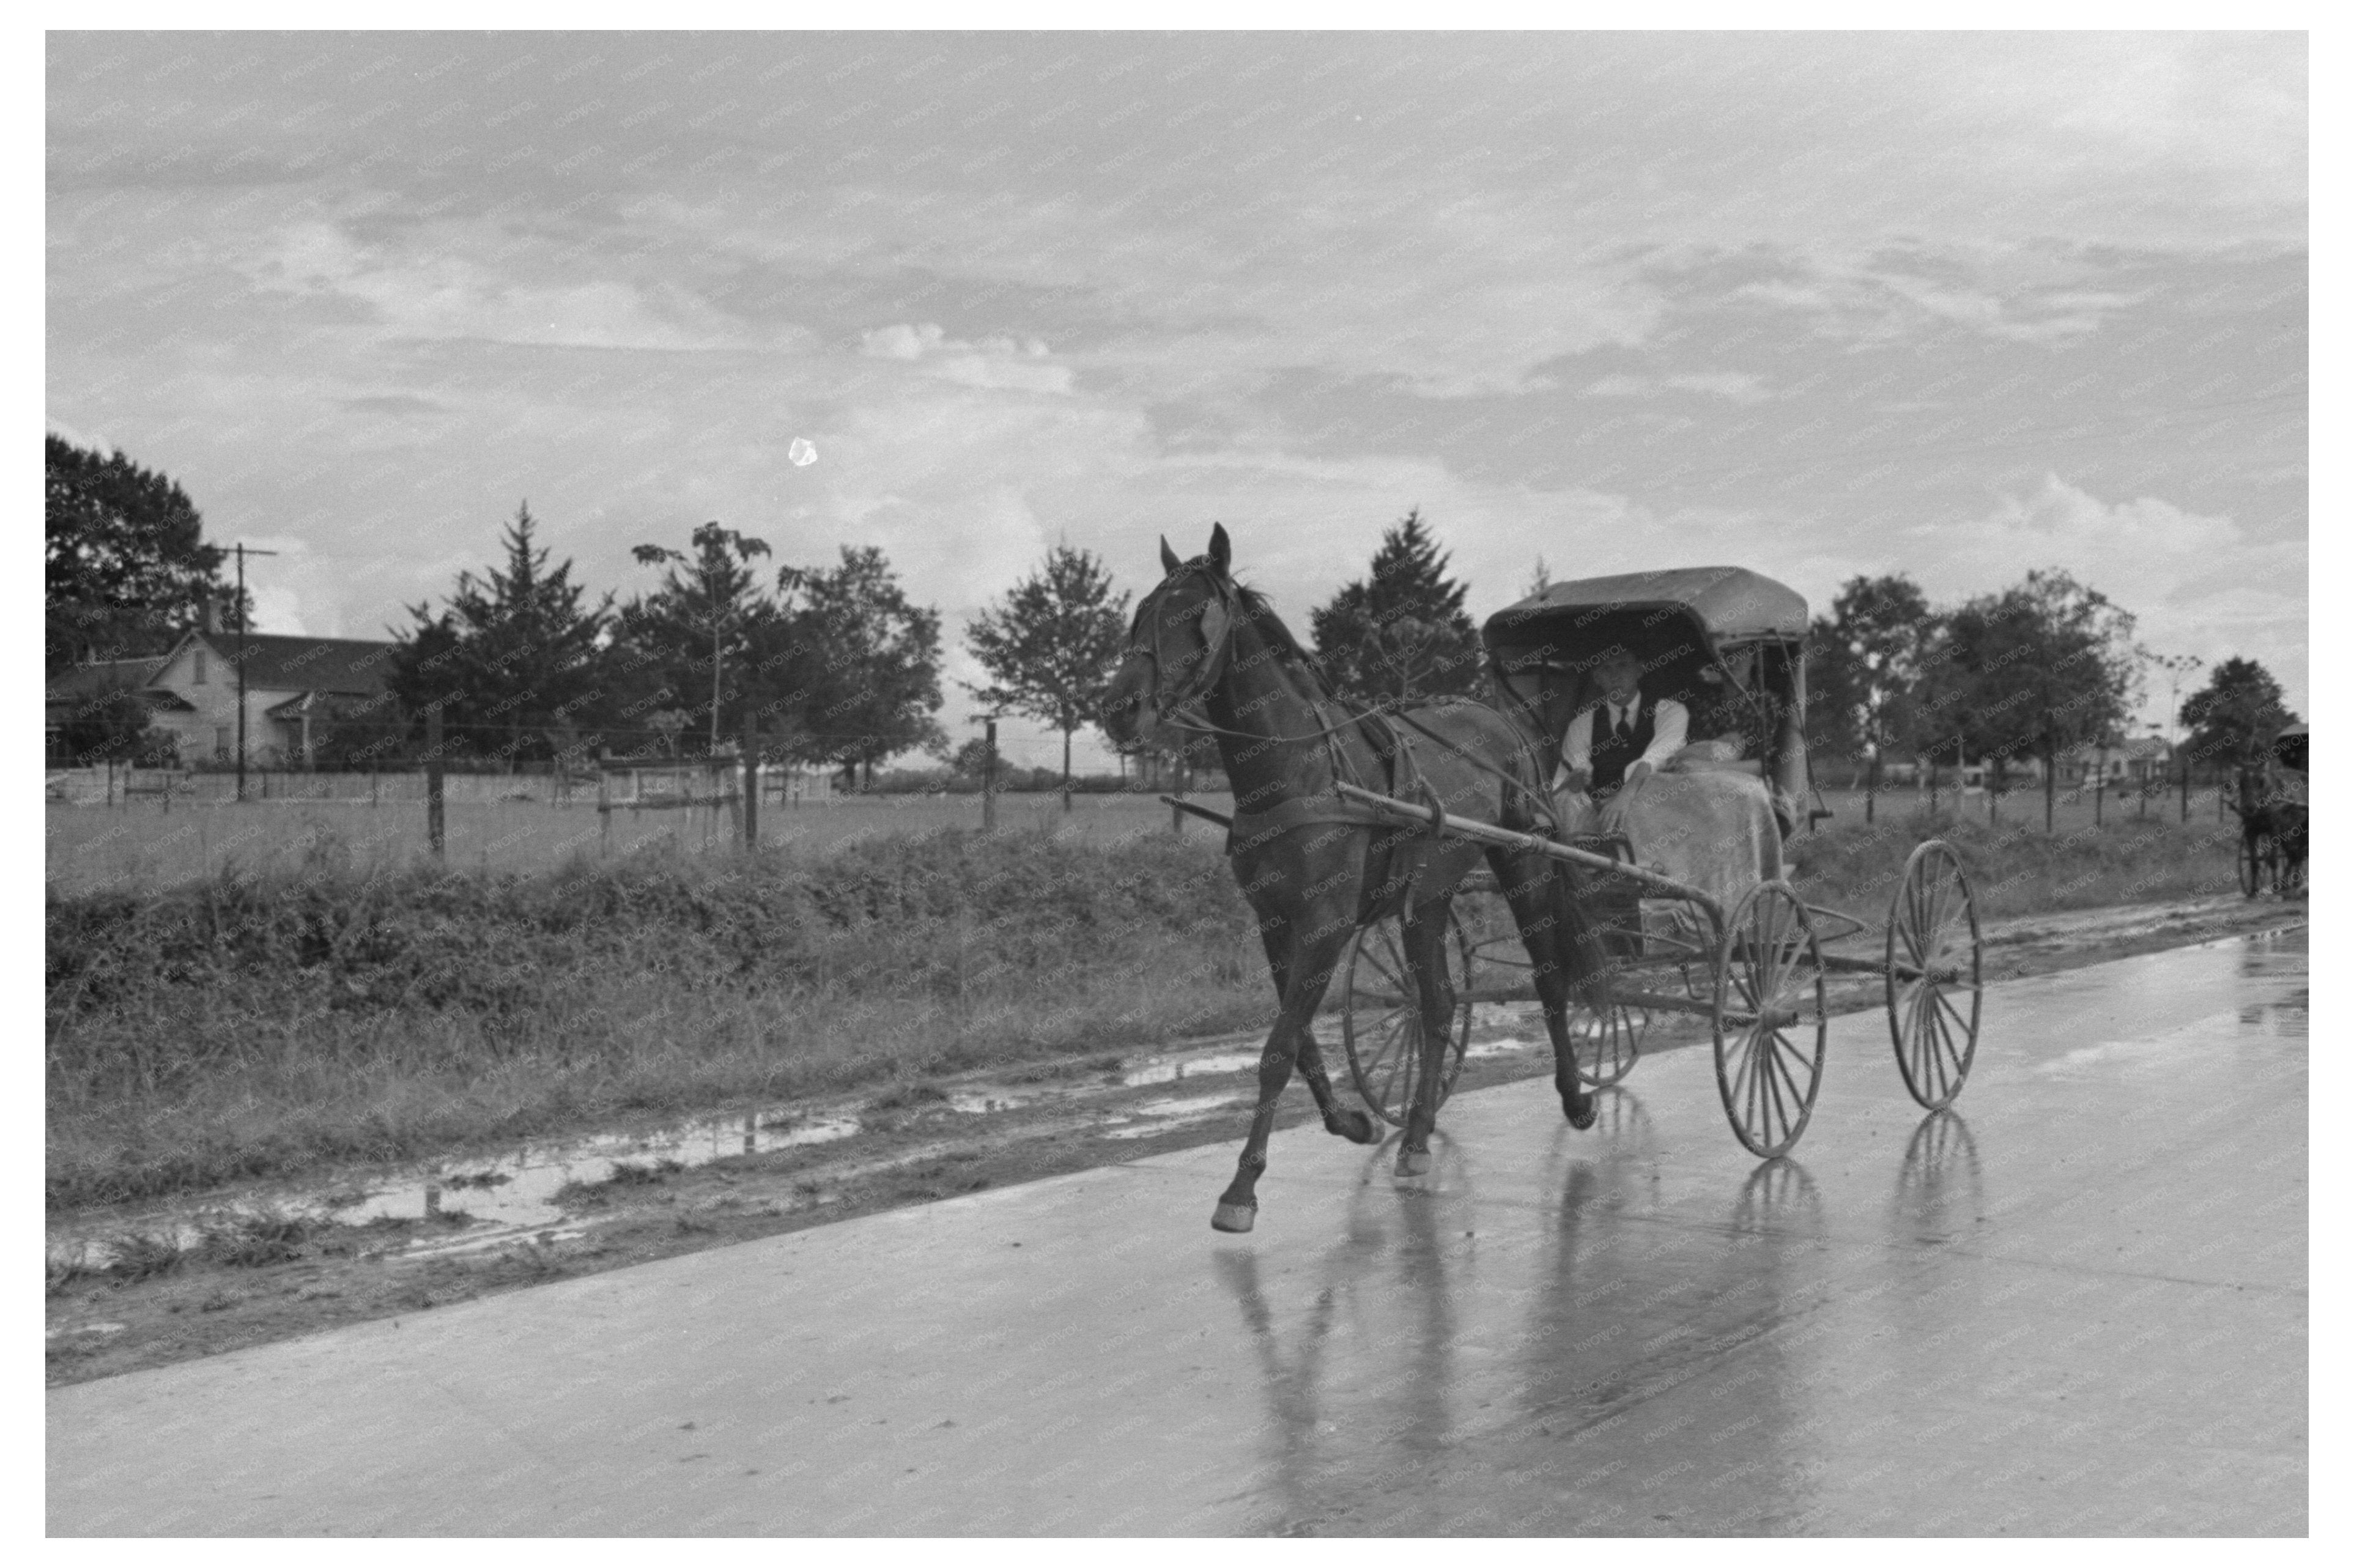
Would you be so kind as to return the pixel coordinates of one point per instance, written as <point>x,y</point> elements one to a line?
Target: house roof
<point>82,681</point>
<point>2131,748</point>
<point>343,665</point>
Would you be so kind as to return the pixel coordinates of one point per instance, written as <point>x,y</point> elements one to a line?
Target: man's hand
<point>1579,778</point>
<point>1637,770</point>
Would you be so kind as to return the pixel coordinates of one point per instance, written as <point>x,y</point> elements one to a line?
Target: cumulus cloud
<point>1733,385</point>
<point>993,364</point>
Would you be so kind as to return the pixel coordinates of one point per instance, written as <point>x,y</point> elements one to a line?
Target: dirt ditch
<point>129,1290</point>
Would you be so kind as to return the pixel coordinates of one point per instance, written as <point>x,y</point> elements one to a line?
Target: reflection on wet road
<point>2076,1304</point>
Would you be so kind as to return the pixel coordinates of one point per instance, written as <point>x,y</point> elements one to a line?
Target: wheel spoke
<point>1797,1094</point>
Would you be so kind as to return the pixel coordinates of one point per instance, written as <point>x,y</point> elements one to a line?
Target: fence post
<point>751,781</point>
<point>988,778</point>
<point>604,802</point>
<point>433,820</point>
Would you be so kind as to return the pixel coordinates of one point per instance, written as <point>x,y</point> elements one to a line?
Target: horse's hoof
<point>1233,1218</point>
<point>1411,1163</point>
<point>1579,1119</point>
<point>1358,1128</point>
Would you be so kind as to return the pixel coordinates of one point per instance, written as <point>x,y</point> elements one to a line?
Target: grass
<point>142,847</point>
<point>261,1026</point>
<point>2016,868</point>
<point>266,1026</point>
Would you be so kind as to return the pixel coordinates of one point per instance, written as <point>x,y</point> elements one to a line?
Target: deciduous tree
<point>128,569</point>
<point>1865,672</point>
<point>2232,720</point>
<point>1050,649</point>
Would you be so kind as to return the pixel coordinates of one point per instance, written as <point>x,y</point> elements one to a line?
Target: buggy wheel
<point>1770,1023</point>
<point>1385,1058</point>
<point>1935,959</point>
<point>1607,1041</point>
<point>2252,868</point>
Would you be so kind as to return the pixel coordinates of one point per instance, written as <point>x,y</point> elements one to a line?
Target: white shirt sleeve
<point>1577,746</point>
<point>1668,724</point>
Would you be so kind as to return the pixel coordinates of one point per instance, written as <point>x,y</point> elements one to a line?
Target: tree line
<point>2035,671</point>
<point>830,664</point>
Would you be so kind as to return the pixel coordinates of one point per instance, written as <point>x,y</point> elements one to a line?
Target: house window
<point>220,742</point>
<point>200,666</point>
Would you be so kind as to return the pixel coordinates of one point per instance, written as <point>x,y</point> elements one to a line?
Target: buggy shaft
<point>1505,837</point>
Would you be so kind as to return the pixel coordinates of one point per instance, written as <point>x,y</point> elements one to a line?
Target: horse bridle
<point>1217,645</point>
<point>1217,642</point>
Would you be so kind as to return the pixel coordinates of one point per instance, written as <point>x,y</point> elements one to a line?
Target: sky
<point>1954,305</point>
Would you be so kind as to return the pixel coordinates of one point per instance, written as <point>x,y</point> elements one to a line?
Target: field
<point>144,846</point>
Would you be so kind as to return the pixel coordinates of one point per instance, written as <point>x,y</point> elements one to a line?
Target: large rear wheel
<point>1381,1022</point>
<point>1934,975</point>
<point>1607,1041</point>
<point>1771,1021</point>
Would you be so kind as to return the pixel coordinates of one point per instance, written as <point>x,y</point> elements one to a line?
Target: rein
<point>1398,751</point>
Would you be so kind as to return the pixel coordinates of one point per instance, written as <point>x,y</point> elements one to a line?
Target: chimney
<point>212,614</point>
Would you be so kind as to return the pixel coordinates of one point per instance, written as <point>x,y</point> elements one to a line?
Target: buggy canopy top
<point>1572,624</point>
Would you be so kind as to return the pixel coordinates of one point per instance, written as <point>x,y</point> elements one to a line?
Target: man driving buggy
<point>1622,739</point>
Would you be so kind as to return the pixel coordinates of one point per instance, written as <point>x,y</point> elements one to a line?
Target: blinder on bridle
<point>1218,627</point>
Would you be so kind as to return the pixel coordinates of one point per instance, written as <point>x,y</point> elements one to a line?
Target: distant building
<point>2134,759</point>
<point>291,683</point>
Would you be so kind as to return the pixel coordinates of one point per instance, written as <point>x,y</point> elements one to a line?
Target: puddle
<point>500,1199</point>
<point>87,1329</point>
<point>1174,1069</point>
<point>1160,1115</point>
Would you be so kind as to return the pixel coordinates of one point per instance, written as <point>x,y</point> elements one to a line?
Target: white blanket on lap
<point>1714,831</point>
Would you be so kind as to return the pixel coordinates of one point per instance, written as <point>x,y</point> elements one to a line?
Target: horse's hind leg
<point>1566,955</point>
<point>1341,1121</point>
<point>1426,956</point>
<point>1310,971</point>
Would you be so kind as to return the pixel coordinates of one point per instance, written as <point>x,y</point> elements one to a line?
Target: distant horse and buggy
<point>2272,803</point>
<point>1375,846</point>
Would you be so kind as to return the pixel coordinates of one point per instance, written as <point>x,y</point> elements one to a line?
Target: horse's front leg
<point>1341,1121</point>
<point>1305,976</point>
<point>1424,930</point>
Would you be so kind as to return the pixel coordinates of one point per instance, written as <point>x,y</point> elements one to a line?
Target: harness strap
<point>1252,829</point>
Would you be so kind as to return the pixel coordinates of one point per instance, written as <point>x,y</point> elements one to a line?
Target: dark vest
<point>1610,756</point>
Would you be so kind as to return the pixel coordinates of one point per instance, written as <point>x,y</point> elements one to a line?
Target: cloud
<point>992,364</point>
<point>1733,385</point>
<point>462,281</point>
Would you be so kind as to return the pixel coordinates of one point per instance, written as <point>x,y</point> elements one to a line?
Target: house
<point>290,685</point>
<point>84,685</point>
<point>2128,760</point>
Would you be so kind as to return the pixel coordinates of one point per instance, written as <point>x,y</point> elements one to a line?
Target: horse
<point>1316,869</point>
<point>2267,812</point>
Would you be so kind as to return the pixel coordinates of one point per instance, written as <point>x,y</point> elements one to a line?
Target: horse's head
<point>1177,647</point>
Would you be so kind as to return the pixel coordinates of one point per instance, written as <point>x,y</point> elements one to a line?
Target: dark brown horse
<point>1316,869</point>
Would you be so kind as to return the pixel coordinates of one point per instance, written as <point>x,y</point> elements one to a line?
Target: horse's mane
<point>1271,625</point>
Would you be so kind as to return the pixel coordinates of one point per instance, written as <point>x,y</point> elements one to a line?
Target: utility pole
<point>2176,666</point>
<point>241,617</point>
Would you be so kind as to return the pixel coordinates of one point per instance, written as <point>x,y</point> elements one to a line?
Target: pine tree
<point>513,657</point>
<point>1401,634</point>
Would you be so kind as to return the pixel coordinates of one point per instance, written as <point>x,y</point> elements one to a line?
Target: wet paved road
<point>2078,1307</point>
